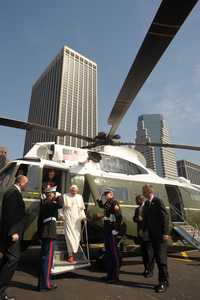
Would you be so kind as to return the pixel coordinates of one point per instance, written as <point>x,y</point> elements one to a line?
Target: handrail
<point>176,211</point>
<point>195,227</point>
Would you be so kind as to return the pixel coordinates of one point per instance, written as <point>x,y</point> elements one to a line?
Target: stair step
<point>65,263</point>
<point>60,230</point>
<point>60,255</point>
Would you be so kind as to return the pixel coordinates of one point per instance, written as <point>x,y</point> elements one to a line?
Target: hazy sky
<point>109,32</point>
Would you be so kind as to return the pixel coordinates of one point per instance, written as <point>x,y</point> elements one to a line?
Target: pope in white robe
<point>73,213</point>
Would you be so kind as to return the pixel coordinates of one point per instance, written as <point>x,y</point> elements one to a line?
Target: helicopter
<point>108,162</point>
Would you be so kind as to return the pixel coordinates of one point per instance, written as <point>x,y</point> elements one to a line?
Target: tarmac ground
<point>85,284</point>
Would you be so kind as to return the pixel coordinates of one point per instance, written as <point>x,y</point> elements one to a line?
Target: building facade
<point>65,97</point>
<point>152,128</point>
<point>3,156</point>
<point>189,170</point>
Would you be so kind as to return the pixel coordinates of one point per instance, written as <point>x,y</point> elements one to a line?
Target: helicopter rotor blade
<point>175,146</point>
<point>90,146</point>
<point>167,22</point>
<point>53,131</point>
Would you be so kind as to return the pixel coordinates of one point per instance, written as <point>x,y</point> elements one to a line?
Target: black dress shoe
<point>161,288</point>
<point>51,288</point>
<point>113,281</point>
<point>104,278</point>
<point>6,297</point>
<point>167,283</point>
<point>145,272</point>
<point>148,275</point>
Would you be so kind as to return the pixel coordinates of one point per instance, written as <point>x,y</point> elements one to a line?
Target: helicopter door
<point>176,204</point>
<point>31,196</point>
<point>53,175</point>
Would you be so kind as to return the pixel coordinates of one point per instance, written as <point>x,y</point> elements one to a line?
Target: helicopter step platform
<point>60,263</point>
<point>189,233</point>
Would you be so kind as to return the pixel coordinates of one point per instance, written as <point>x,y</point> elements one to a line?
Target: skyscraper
<point>3,156</point>
<point>65,97</point>
<point>189,170</point>
<point>152,128</point>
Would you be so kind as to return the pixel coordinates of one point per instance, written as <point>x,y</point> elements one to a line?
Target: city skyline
<point>64,97</point>
<point>94,30</point>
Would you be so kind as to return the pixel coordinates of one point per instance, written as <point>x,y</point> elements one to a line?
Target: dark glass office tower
<point>152,128</point>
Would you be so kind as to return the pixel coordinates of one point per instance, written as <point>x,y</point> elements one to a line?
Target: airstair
<point>189,233</point>
<point>60,264</point>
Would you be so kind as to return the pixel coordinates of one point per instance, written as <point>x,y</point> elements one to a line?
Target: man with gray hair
<point>11,232</point>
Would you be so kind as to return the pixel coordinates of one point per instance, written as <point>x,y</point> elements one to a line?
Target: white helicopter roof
<point>62,153</point>
<point>127,153</point>
<point>76,159</point>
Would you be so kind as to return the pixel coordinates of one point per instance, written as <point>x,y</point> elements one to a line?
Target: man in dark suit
<point>143,238</point>
<point>11,232</point>
<point>156,222</point>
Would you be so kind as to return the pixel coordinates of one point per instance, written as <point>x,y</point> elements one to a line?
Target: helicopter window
<point>120,193</point>
<point>135,169</point>
<point>32,172</point>
<point>195,195</point>
<point>118,165</point>
<point>191,199</point>
<point>6,175</point>
<point>190,194</point>
<point>136,188</point>
<point>34,180</point>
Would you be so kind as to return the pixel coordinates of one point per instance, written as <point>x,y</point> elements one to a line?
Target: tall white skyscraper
<point>65,97</point>
<point>152,128</point>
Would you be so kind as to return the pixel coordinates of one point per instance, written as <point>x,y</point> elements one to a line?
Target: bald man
<point>11,231</point>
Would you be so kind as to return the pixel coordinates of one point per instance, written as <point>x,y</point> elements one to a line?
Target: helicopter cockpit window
<point>120,193</point>
<point>6,175</point>
<point>119,165</point>
<point>135,169</point>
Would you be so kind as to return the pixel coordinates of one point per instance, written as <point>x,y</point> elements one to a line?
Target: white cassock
<point>73,212</point>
